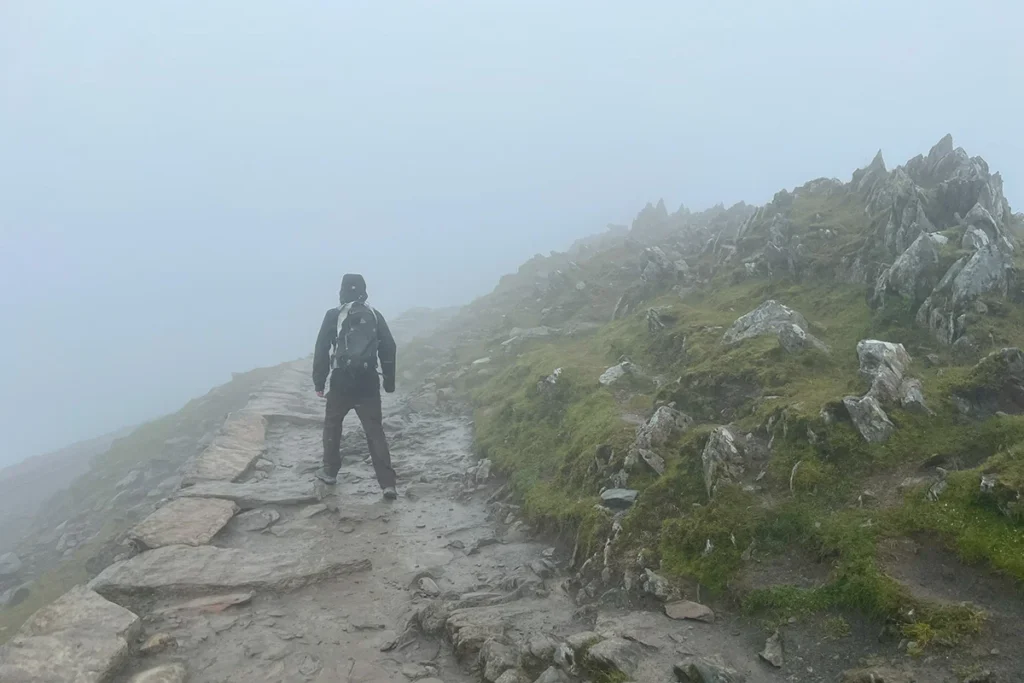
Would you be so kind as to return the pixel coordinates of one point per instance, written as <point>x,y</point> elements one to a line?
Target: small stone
<point>706,670</point>
<point>428,586</point>
<point>169,673</point>
<point>692,611</point>
<point>158,642</point>
<point>312,511</point>
<point>772,652</point>
<point>256,520</point>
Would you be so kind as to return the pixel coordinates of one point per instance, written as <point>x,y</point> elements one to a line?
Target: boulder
<point>912,396</point>
<point>184,521</point>
<point>619,498</point>
<point>772,652</point>
<point>616,656</point>
<point>884,364</point>
<point>721,459</point>
<point>687,610</point>
<point>875,355</point>
<point>915,273</point>
<point>869,418</point>
<point>772,318</point>
<point>10,564</point>
<point>706,670</point>
<point>794,339</point>
<point>665,424</point>
<point>615,373</point>
<point>496,658</point>
<point>553,675</point>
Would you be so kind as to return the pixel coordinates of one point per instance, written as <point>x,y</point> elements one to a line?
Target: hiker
<point>351,340</point>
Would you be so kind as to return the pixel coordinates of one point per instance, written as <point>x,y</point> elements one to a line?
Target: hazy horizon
<point>184,185</point>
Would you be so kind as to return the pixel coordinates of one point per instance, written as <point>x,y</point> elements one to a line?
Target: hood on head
<point>353,288</point>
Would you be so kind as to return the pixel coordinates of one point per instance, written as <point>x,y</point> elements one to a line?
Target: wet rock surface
<point>80,637</point>
<point>186,521</point>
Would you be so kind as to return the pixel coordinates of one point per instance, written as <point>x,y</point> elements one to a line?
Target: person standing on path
<point>353,337</point>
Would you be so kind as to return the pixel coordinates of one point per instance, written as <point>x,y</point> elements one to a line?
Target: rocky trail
<point>255,573</point>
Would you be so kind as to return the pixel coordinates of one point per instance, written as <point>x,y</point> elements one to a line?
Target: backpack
<point>355,348</point>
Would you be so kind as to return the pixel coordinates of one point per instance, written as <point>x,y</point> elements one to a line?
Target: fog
<point>183,184</point>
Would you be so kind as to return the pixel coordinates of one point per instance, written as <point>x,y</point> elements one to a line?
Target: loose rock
<point>772,652</point>
<point>619,498</point>
<point>706,670</point>
<point>169,673</point>
<point>684,609</point>
<point>616,655</point>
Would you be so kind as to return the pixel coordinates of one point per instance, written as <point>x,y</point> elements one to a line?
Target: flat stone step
<point>80,637</point>
<point>241,440</point>
<point>184,521</point>
<point>250,495</point>
<point>177,570</point>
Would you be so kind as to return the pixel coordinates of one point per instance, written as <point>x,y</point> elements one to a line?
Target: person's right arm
<point>322,351</point>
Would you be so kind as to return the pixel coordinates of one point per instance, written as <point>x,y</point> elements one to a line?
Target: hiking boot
<point>328,479</point>
<point>390,493</point>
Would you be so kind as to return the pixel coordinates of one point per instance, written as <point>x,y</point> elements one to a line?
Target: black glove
<point>389,385</point>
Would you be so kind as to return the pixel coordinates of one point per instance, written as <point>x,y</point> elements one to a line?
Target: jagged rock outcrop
<point>869,418</point>
<point>915,273</point>
<point>773,318</point>
<point>722,459</point>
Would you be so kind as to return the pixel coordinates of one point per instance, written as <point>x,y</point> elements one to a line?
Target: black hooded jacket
<point>365,384</point>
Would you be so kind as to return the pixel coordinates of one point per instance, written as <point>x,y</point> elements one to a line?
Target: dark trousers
<point>368,409</point>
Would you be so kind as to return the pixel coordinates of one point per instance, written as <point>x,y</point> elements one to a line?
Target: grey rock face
<point>256,520</point>
<point>81,637</point>
<point>721,459</point>
<point>10,564</point>
<point>884,363</point>
<point>249,495</point>
<point>616,373</point>
<point>169,673</point>
<point>772,652</point>
<point>912,396</point>
<point>666,423</point>
<point>616,655</point>
<point>497,658</point>
<point>795,339</point>
<point>869,418</point>
<point>619,498</point>
<point>178,570</point>
<point>693,611</point>
<point>184,521</point>
<point>768,318</point>
<point>706,670</point>
<point>240,442</point>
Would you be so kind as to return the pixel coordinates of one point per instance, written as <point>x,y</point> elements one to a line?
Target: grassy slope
<point>546,443</point>
<point>137,450</point>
